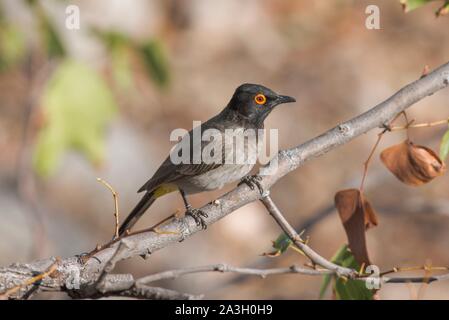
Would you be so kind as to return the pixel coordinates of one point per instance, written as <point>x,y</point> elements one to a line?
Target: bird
<point>247,110</point>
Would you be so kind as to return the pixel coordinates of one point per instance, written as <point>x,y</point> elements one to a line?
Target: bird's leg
<point>253,182</point>
<point>196,214</point>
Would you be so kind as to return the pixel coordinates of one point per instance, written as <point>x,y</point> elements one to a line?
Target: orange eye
<point>260,99</point>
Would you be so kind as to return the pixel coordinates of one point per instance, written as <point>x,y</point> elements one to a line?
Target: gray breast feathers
<point>219,157</point>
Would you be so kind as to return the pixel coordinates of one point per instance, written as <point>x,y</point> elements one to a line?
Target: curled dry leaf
<point>412,164</point>
<point>357,215</point>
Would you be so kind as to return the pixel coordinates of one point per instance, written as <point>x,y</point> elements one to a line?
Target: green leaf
<point>324,285</point>
<point>151,53</point>
<point>50,36</point>
<point>346,289</point>
<point>410,5</point>
<point>111,39</point>
<point>282,243</point>
<point>54,45</point>
<point>12,45</point>
<point>77,105</point>
<point>352,290</point>
<point>120,46</point>
<point>154,56</point>
<point>337,258</point>
<point>341,255</point>
<point>444,146</point>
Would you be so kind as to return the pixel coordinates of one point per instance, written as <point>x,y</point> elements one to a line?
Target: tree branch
<point>156,293</point>
<point>294,269</point>
<point>76,272</point>
<point>221,267</point>
<point>294,236</point>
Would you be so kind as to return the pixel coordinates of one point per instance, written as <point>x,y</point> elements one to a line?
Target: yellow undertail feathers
<point>163,190</point>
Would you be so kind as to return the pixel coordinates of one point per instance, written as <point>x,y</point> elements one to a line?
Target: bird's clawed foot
<point>198,215</point>
<point>253,182</point>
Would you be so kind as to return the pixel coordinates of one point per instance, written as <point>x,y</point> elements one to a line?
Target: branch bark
<point>76,274</point>
<point>221,267</point>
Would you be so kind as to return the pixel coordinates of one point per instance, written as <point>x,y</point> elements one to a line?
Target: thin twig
<point>368,160</point>
<point>417,268</point>
<point>373,149</point>
<point>330,266</point>
<point>294,269</point>
<point>293,235</point>
<point>421,125</point>
<point>153,228</point>
<point>425,279</point>
<point>115,197</point>
<point>221,267</point>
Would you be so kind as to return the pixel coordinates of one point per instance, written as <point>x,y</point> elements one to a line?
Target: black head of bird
<point>254,102</point>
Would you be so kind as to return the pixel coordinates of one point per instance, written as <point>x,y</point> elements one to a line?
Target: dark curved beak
<point>284,99</point>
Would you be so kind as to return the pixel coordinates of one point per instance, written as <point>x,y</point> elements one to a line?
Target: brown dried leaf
<point>370,214</point>
<point>412,164</point>
<point>357,215</point>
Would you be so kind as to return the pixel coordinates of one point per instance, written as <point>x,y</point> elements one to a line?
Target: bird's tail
<point>146,201</point>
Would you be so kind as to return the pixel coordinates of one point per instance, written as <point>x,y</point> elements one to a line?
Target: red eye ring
<point>260,99</point>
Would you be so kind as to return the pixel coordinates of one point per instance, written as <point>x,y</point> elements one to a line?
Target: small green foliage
<point>352,290</point>
<point>324,285</point>
<point>53,43</point>
<point>111,39</point>
<point>282,243</point>
<point>120,47</point>
<point>410,5</point>
<point>50,36</point>
<point>150,53</point>
<point>327,278</point>
<point>77,106</point>
<point>156,63</point>
<point>346,289</point>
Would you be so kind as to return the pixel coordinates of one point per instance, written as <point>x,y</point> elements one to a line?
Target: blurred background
<point>101,101</point>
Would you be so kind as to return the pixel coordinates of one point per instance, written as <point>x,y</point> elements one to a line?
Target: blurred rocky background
<point>101,101</point>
